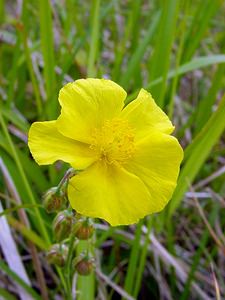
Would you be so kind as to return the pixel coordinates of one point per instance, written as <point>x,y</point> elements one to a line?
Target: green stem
<point>62,278</point>
<point>86,284</point>
<point>68,268</point>
<point>69,173</point>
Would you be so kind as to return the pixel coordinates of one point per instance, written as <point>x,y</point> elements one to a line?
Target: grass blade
<point>11,253</point>
<point>24,178</point>
<point>143,257</point>
<point>195,64</point>
<point>18,280</point>
<point>46,32</point>
<point>160,60</point>
<point>135,59</point>
<point>133,260</point>
<point>28,233</point>
<point>197,153</point>
<point>203,14</point>
<point>123,39</point>
<point>91,70</point>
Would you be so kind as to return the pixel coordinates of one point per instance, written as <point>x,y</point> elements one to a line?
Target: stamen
<point>114,141</point>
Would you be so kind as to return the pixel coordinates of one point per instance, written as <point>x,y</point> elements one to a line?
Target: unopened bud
<point>57,255</point>
<point>83,264</point>
<point>83,230</point>
<point>54,200</point>
<point>62,224</point>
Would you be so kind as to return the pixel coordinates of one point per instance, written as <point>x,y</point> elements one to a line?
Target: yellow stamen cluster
<point>114,141</point>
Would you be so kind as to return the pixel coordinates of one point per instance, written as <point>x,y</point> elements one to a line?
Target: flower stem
<point>69,173</point>
<point>86,284</point>
<point>68,268</point>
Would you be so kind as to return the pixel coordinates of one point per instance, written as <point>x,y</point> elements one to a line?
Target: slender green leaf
<point>195,64</point>
<point>18,280</point>
<point>197,153</point>
<point>6,295</point>
<point>142,261</point>
<point>135,59</point>
<point>91,71</point>
<point>203,14</point>
<point>28,233</point>
<point>23,177</point>
<point>15,208</point>
<point>47,43</point>
<point>160,61</point>
<point>133,261</point>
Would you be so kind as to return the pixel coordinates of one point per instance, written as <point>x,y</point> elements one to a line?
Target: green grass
<point>174,49</point>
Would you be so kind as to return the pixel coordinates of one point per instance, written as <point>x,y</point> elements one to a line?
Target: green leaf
<point>195,64</point>
<point>15,208</point>
<point>18,280</point>
<point>6,295</point>
<point>136,57</point>
<point>197,153</point>
<point>28,233</point>
<point>47,44</point>
<point>91,71</point>
<point>160,60</point>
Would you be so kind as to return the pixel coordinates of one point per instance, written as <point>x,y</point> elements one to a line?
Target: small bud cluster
<point>62,224</point>
<point>83,229</point>
<point>66,224</point>
<point>57,254</point>
<point>84,264</point>
<point>54,200</point>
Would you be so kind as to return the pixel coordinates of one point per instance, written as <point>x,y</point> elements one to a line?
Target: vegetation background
<point>173,48</point>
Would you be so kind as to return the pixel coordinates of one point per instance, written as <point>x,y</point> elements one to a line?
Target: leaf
<point>198,151</point>
<point>18,280</point>
<point>136,57</point>
<point>195,64</point>
<point>11,254</point>
<point>28,233</point>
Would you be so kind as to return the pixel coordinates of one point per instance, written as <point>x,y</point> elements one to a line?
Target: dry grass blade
<point>10,251</point>
<point>12,255</point>
<point>212,232</point>
<point>168,259</point>
<point>25,221</point>
<point>217,288</point>
<point>116,288</point>
<point>210,178</point>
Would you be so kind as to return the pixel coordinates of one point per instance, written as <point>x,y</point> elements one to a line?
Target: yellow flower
<point>129,160</point>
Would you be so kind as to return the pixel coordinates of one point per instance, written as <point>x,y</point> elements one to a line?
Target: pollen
<point>113,143</point>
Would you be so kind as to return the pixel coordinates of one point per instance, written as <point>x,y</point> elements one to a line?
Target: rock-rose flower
<point>129,160</point>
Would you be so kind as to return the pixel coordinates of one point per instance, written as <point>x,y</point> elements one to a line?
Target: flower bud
<point>57,255</point>
<point>83,264</point>
<point>62,224</point>
<point>54,200</point>
<point>83,230</point>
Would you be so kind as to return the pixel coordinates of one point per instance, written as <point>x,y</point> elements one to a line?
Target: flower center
<point>114,141</point>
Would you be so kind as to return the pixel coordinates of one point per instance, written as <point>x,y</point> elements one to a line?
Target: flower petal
<point>48,145</point>
<point>143,114</point>
<point>109,192</point>
<point>86,103</point>
<point>157,163</point>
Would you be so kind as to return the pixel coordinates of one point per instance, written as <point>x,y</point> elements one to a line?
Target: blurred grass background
<point>174,49</point>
